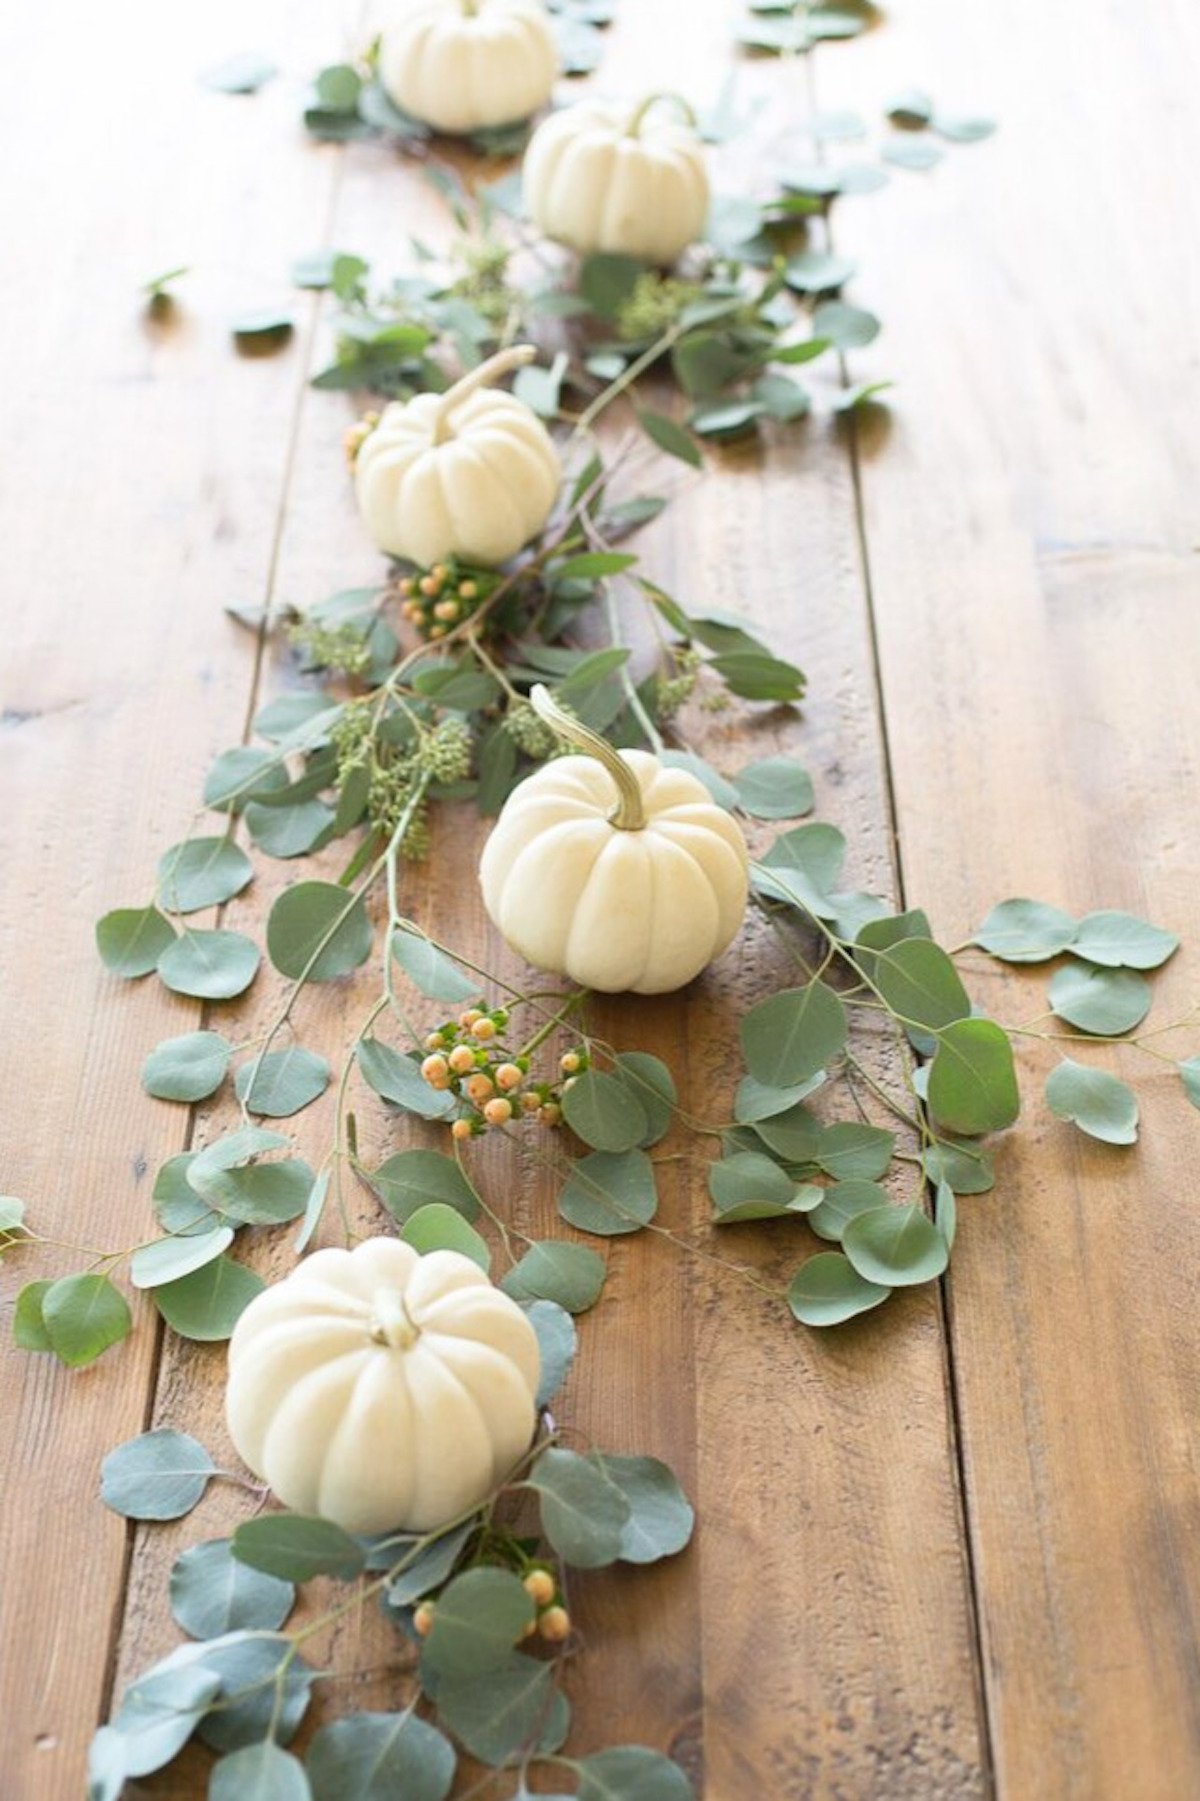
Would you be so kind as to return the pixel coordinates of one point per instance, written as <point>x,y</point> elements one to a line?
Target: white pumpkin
<point>622,179</point>
<point>471,473</point>
<point>462,65</point>
<point>638,895</point>
<point>382,1389</point>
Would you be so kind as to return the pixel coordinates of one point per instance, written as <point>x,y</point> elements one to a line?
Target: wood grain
<point>1031,525</point>
<point>144,474</point>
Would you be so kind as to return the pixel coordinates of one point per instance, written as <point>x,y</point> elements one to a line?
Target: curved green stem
<point>486,376</point>
<point>629,814</point>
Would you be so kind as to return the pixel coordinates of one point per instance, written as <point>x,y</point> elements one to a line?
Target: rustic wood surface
<point>943,1554</point>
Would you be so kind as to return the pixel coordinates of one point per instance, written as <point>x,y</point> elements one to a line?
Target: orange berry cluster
<point>443,597</point>
<point>468,1057</point>
<point>553,1622</point>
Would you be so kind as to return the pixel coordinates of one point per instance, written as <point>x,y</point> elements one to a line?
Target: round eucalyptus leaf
<point>895,1246</point>
<point>961,129</point>
<point>260,1772</point>
<point>29,1328</point>
<point>842,1202</point>
<point>412,1179</point>
<point>756,1101</point>
<point>945,1213</point>
<point>631,1773</point>
<point>1099,1104</point>
<point>159,1475</point>
<point>661,1517</point>
<point>828,1290</point>
<point>1122,941</point>
<point>187,1068</point>
<point>584,1513</point>
<point>158,1714</point>
<point>167,1259</point>
<point>557,1339</point>
<point>972,1080</point>
<point>436,1227</point>
<point>431,971</point>
<point>399,1080</point>
<point>651,1082</point>
<point>911,153</point>
<point>602,1110</point>
<point>848,1151</point>
<point>749,1186</point>
<point>289,831</point>
<point>793,1135</point>
<point>1189,1075</point>
<point>82,1316</point>
<point>1104,1002</point>
<point>132,939</point>
<point>262,1691</point>
<point>211,1593</point>
<point>1025,931</point>
<point>552,1270</point>
<point>244,773</point>
<point>296,1547</point>
<point>610,1192</point>
<point>965,1168</point>
<point>319,931</point>
<point>210,966</point>
<point>202,872</point>
<point>775,788</point>
<point>497,1714</point>
<point>207,1305</point>
<point>920,984</point>
<point>480,1616</point>
<point>263,1194</point>
<point>178,1209</point>
<point>282,1082</point>
<point>378,1757</point>
<point>791,1035</point>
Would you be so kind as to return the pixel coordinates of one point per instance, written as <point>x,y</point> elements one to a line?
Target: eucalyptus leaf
<point>1025,931</point>
<point>670,437</point>
<point>603,1110</point>
<point>1122,941</point>
<point>803,868</point>
<point>843,1202</point>
<point>265,1688</point>
<point>431,971</point>
<point>1106,1002</point>
<point>413,1179</point>
<point>609,1193</point>
<point>846,327</point>
<point>1099,1104</point>
<point>282,1082</point>
<point>963,1167</point>
<point>207,1305</point>
<point>209,966</point>
<point>29,1328</point>
<point>187,1068</point>
<point>158,1714</point>
<point>245,773</point>
<point>651,1082</point>
<point>775,788</point>
<point>436,1227</point>
<point>202,872</point>
<point>83,1316</point>
<point>480,1616</point>
<point>661,1517</point>
<point>750,1186</point>
<point>496,1714</point>
<point>632,1773</point>
<point>399,1080</point>
<point>552,1270</point>
<point>920,984</point>
<point>296,1547</point>
<point>972,1081</point>
<point>757,1100</point>
<point>243,73</point>
<point>260,1772</point>
<point>159,1475</point>
<point>895,1246</point>
<point>557,1339</point>
<point>788,1037</point>
<point>828,1290</point>
<point>212,1593</point>
<point>132,939</point>
<point>167,1259</point>
<point>584,1513</point>
<point>378,1757</point>
<point>1189,1075</point>
<point>318,931</point>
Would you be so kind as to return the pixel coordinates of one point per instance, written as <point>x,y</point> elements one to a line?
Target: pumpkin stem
<point>629,814</point>
<point>391,1324</point>
<point>470,9</point>
<point>486,376</point>
<point>634,128</point>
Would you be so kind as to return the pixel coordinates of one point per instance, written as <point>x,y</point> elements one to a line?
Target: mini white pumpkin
<point>622,179</point>
<point>470,473</point>
<point>463,65</point>
<point>382,1389</point>
<point>637,896</point>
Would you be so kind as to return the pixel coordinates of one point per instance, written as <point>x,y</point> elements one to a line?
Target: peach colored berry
<point>406,586</point>
<point>508,1077</point>
<point>462,1058</point>
<point>423,1619</point>
<point>483,1029</point>
<point>461,1129</point>
<point>555,1625</point>
<point>550,1114</point>
<point>435,1042</point>
<point>436,1072</point>
<point>439,572</point>
<point>446,609</point>
<point>498,1112</point>
<point>541,1586</point>
<point>569,1063</point>
<point>479,1088</point>
<point>468,1019</point>
<point>530,1103</point>
<point>468,590</point>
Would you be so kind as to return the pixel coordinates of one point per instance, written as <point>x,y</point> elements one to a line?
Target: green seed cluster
<point>654,304</point>
<point>397,773</point>
<point>341,648</point>
<point>530,733</point>
<point>673,691</point>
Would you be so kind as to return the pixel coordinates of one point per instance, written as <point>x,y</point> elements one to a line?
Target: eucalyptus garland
<point>418,691</point>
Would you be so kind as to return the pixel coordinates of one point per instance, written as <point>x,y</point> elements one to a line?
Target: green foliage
<point>212,1593</point>
<point>584,1511</point>
<point>207,1305</point>
<point>188,1068</point>
<point>379,1756</point>
<point>610,1192</point>
<point>1106,1002</point>
<point>553,1270</point>
<point>282,1082</point>
<point>295,1548</point>
<point>159,1475</point>
<point>414,1179</point>
<point>790,1036</point>
<point>480,1616</point>
<point>1099,1104</point>
<point>436,1227</point>
<point>81,1316</point>
<point>318,931</point>
<point>828,1291</point>
<point>209,966</point>
<point>132,939</point>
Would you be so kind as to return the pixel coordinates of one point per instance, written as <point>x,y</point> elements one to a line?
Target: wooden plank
<point>1031,525</point>
<point>143,473</point>
<point>803,1467</point>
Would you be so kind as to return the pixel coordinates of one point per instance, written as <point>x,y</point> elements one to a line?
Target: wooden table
<point>945,1555</point>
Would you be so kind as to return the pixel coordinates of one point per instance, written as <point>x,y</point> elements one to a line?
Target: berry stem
<point>629,814</point>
